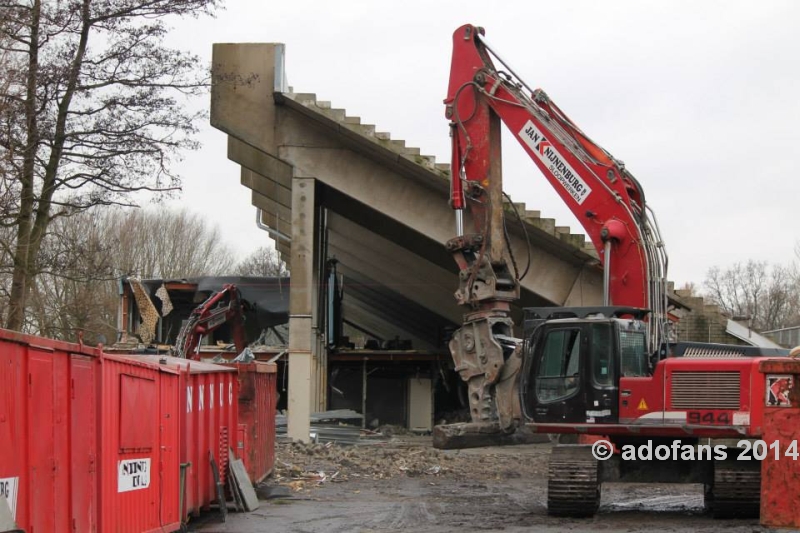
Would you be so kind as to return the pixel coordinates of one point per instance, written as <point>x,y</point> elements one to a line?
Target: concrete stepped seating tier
<point>441,170</point>
<point>383,205</point>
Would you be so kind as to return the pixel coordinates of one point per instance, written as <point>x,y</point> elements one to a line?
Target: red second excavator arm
<point>603,195</point>
<point>224,306</point>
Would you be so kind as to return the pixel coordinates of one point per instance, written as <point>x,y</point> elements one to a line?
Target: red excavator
<point>222,307</point>
<point>610,370</point>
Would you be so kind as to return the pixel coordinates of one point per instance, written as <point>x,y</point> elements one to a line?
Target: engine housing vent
<point>706,390</point>
<point>711,353</point>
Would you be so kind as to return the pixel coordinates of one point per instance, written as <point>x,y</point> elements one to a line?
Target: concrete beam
<point>414,293</point>
<point>301,309</point>
<point>242,87</point>
<point>276,131</point>
<point>267,187</point>
<point>585,288</point>
<point>285,250</point>
<point>364,315</point>
<point>269,205</point>
<point>260,162</point>
<point>420,208</point>
<point>392,306</point>
<point>272,220</point>
<point>395,267</point>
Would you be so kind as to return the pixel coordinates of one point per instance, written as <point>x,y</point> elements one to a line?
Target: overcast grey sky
<point>700,99</point>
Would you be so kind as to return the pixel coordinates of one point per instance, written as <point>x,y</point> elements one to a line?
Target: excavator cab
<point>573,359</point>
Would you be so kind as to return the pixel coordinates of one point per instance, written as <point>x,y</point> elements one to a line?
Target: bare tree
<point>767,296</point>
<point>166,244</point>
<point>75,288</point>
<point>8,170</point>
<point>84,256</point>
<point>90,113</point>
<point>265,262</point>
<point>689,288</point>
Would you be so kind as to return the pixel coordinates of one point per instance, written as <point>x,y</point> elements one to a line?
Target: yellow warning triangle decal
<point>643,405</point>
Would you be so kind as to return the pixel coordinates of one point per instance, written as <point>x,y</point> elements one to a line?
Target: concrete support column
<point>301,309</point>
<point>318,376</point>
<point>320,372</point>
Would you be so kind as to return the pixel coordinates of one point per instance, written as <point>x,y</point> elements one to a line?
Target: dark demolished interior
<point>388,380</point>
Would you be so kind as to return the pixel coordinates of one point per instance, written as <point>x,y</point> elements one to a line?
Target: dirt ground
<point>404,484</point>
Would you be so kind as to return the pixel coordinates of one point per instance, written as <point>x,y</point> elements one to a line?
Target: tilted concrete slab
<point>307,138</point>
<point>380,209</point>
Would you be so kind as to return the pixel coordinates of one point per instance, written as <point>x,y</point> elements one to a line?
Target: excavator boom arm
<point>224,306</point>
<point>602,194</point>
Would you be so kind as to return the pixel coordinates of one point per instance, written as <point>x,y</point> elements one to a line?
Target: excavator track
<point>736,492</point>
<point>573,486</point>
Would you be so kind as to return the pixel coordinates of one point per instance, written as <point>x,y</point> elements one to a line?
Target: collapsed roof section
<point>154,310</point>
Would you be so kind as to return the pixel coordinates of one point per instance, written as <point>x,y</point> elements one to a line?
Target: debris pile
<point>302,466</point>
<point>341,426</point>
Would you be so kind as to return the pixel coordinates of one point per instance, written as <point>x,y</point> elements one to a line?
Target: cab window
<point>558,373</point>
<point>633,355</point>
<point>601,355</point>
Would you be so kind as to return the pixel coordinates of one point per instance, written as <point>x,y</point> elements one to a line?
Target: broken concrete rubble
<point>303,467</point>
